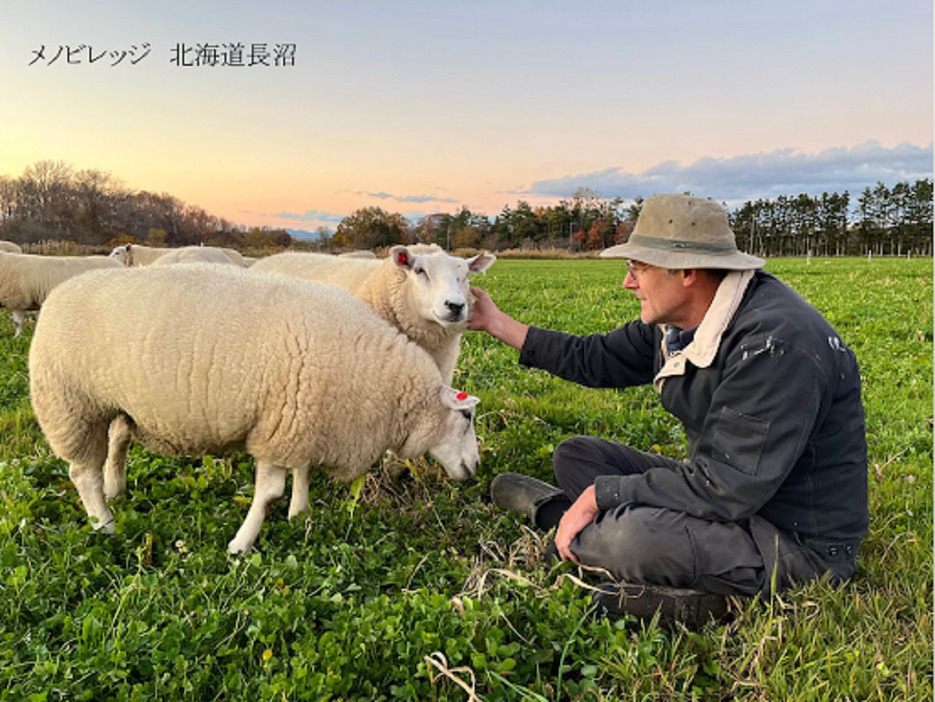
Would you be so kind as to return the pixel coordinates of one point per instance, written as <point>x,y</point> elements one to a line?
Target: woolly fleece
<point>26,279</point>
<point>386,288</point>
<point>204,359</point>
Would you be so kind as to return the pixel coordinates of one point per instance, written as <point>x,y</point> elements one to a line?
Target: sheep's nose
<point>456,308</point>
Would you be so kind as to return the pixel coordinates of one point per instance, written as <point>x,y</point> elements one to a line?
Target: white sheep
<point>420,289</point>
<point>201,359</point>
<point>234,255</point>
<point>10,247</point>
<point>197,254</point>
<point>364,253</point>
<point>27,279</point>
<point>139,255</point>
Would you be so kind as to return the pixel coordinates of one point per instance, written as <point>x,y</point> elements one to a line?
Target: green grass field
<point>419,589</point>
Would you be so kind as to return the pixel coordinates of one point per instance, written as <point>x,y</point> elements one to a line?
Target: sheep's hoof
<point>114,495</point>
<point>108,527</point>
<point>236,548</point>
<point>299,513</point>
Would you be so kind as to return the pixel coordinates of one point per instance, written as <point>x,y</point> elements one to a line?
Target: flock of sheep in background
<point>199,351</point>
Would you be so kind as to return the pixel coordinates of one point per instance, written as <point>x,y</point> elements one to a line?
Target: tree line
<point>583,222</point>
<point>881,221</point>
<point>52,201</point>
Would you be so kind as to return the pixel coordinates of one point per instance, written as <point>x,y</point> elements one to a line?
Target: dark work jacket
<point>775,424</point>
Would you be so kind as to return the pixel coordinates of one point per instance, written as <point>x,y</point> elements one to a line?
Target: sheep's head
<point>449,434</point>
<point>439,283</point>
<point>123,254</point>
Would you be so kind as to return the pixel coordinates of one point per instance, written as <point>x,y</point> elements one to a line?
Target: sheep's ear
<point>402,257</point>
<point>481,262</point>
<point>129,246</point>
<point>458,400</point>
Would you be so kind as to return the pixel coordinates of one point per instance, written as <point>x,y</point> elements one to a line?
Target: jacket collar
<point>703,348</point>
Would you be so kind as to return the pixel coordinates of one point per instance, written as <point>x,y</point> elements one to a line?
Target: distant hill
<point>303,234</point>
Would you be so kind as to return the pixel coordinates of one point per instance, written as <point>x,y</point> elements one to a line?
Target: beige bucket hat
<point>680,231</point>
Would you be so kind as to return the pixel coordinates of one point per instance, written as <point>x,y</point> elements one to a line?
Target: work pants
<point>645,544</point>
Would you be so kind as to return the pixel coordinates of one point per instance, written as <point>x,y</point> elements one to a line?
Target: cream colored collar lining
<point>703,348</point>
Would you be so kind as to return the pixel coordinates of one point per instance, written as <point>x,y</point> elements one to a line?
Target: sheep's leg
<point>19,319</point>
<point>115,474</point>
<point>270,485</point>
<point>83,443</point>
<point>299,501</point>
<point>88,479</point>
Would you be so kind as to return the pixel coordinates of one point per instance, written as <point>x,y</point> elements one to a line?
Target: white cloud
<point>407,198</point>
<point>761,175</point>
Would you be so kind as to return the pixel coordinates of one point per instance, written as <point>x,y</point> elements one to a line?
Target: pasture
<point>412,587</point>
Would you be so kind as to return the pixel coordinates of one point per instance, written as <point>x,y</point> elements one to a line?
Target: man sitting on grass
<point>774,489</point>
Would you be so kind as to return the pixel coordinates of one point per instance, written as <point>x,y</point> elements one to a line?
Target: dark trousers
<point>643,544</point>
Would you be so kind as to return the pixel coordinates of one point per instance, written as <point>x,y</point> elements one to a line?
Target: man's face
<point>663,298</point>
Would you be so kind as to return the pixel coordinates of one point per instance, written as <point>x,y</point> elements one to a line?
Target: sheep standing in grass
<point>201,359</point>
<point>197,254</point>
<point>420,289</point>
<point>26,279</point>
<point>139,255</point>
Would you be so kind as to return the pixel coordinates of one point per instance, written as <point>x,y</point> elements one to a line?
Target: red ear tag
<point>462,396</point>
<point>404,259</point>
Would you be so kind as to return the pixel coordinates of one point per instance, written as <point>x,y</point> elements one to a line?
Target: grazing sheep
<point>420,289</point>
<point>201,359</point>
<point>26,279</point>
<point>10,247</point>
<point>139,255</point>
<point>196,254</point>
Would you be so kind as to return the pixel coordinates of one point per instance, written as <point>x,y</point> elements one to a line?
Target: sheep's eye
<point>421,271</point>
<point>467,414</point>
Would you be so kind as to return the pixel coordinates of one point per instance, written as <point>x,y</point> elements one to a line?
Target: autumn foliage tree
<point>370,227</point>
<point>51,201</point>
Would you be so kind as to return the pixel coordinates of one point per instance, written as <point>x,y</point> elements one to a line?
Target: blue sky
<point>419,107</point>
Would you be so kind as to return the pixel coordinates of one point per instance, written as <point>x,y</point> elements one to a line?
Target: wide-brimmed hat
<point>680,231</point>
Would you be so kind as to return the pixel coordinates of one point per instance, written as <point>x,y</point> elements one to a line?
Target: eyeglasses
<point>636,269</point>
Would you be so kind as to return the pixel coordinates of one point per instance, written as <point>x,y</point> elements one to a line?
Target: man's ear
<point>689,277</point>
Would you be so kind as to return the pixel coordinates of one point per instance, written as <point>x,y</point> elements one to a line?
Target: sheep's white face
<point>122,254</point>
<point>439,283</point>
<point>456,448</point>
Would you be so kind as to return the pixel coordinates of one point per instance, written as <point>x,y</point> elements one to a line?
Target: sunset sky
<point>421,107</point>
